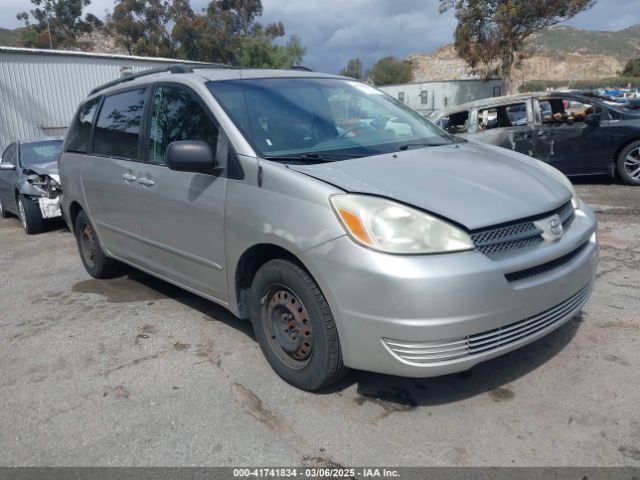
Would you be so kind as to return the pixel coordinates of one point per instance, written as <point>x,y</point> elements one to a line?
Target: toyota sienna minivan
<point>282,196</point>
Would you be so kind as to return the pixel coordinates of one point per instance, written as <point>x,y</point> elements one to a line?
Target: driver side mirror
<point>593,120</point>
<point>7,166</point>
<point>192,156</point>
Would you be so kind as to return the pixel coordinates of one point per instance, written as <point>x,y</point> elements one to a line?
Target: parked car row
<point>578,135</point>
<point>351,231</point>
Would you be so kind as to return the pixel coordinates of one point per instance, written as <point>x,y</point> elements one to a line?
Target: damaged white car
<point>30,183</point>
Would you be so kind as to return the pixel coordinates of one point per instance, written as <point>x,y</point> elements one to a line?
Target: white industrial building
<point>426,97</point>
<point>41,89</point>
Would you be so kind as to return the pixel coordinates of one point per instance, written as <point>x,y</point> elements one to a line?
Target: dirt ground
<point>134,371</point>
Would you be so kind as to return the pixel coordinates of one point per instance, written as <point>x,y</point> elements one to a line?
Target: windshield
<point>39,152</point>
<point>304,117</point>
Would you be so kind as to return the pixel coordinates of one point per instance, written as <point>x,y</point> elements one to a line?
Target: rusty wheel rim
<point>288,326</point>
<point>88,245</point>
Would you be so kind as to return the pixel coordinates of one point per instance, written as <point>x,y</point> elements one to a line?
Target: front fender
<point>287,209</point>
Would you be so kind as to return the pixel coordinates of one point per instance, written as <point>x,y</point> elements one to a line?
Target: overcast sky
<point>336,30</point>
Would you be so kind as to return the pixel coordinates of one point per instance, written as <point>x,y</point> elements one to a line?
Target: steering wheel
<point>353,130</point>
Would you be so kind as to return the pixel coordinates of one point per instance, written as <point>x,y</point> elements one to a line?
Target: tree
<point>491,34</point>
<point>227,31</point>
<point>242,13</point>
<point>59,24</point>
<point>144,27</point>
<point>260,51</point>
<point>353,69</point>
<point>632,69</point>
<point>390,70</point>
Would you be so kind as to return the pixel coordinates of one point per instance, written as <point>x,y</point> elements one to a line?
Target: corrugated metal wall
<point>39,92</point>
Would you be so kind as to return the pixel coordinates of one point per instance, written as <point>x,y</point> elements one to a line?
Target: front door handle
<point>145,182</point>
<point>129,178</point>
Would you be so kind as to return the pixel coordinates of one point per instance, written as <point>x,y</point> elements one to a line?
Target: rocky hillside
<point>97,41</point>
<point>9,38</point>
<point>560,53</point>
<point>623,44</point>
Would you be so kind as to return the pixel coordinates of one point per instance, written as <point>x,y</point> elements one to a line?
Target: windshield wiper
<point>312,157</point>
<point>407,146</point>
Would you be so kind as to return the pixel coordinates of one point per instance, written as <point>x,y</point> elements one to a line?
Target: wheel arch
<point>622,146</point>
<point>74,209</point>
<point>249,263</point>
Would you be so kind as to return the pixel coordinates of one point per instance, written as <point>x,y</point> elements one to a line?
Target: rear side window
<point>503,116</point>
<point>177,115</point>
<point>78,136</point>
<point>118,125</point>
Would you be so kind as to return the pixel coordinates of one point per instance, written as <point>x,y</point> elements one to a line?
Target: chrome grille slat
<point>422,351</point>
<point>513,326</point>
<point>504,340</point>
<point>513,335</point>
<point>395,343</point>
<point>435,357</point>
<point>520,234</point>
<point>485,342</point>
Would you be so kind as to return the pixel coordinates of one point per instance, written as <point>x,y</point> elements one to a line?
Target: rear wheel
<point>294,326</point>
<point>30,215</point>
<point>95,261</point>
<point>629,164</point>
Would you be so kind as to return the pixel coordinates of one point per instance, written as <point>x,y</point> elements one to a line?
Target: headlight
<point>391,227</point>
<point>562,178</point>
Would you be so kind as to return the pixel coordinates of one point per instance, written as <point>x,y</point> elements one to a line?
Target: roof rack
<point>301,68</point>
<point>175,68</point>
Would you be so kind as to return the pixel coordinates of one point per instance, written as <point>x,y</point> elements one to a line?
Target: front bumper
<point>422,316</point>
<point>49,207</point>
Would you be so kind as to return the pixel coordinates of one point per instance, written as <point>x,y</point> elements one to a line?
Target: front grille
<point>495,241</point>
<point>545,267</point>
<point>485,342</point>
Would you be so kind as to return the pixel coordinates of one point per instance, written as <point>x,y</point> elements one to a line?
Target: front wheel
<point>629,164</point>
<point>30,215</point>
<point>294,326</point>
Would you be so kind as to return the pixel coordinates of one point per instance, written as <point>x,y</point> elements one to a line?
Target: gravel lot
<point>134,371</point>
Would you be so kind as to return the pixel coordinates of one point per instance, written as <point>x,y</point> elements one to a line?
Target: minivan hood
<point>471,184</point>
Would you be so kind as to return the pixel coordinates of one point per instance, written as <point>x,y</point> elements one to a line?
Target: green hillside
<point>624,44</point>
<point>9,37</point>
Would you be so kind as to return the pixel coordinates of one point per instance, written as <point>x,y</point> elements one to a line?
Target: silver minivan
<point>282,196</point>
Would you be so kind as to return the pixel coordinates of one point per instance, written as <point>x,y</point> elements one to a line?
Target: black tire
<point>628,164</point>
<point>286,301</point>
<point>30,215</point>
<point>95,261</point>
<point>3,212</point>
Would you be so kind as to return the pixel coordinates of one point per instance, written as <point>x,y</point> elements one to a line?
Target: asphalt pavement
<point>133,371</point>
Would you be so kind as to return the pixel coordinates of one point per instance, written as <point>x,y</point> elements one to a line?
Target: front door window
<point>177,115</point>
